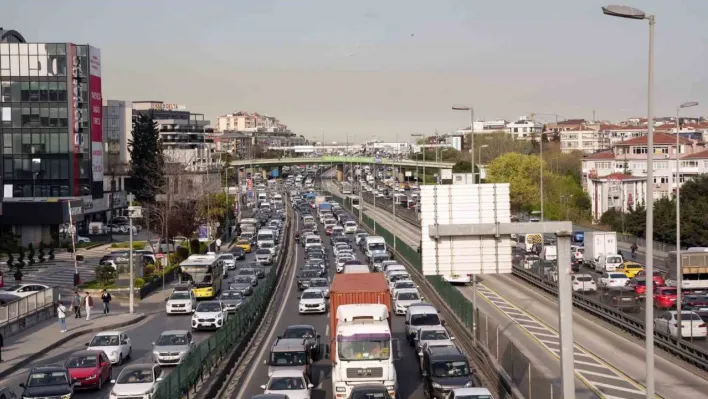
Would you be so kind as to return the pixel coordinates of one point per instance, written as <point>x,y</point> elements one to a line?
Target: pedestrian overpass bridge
<point>341,160</point>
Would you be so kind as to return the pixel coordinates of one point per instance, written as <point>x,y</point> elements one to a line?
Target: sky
<point>365,69</point>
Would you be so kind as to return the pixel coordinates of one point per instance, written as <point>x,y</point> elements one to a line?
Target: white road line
<point>608,386</point>
<point>590,364</point>
<point>327,330</point>
<point>537,327</point>
<point>608,376</point>
<point>545,335</point>
<point>281,310</point>
<point>549,342</point>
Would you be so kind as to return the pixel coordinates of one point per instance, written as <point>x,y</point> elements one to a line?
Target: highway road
<point>406,360</point>
<point>142,335</point>
<point>612,351</point>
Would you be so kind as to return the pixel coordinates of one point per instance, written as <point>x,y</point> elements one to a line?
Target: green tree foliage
<point>147,165</point>
<point>213,208</point>
<point>563,196</point>
<point>106,275</point>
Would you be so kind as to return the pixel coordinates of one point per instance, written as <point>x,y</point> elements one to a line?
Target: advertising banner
<point>76,138</point>
<point>96,113</point>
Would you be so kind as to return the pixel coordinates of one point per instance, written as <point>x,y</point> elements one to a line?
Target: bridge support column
<point>264,173</point>
<point>280,171</point>
<point>340,172</point>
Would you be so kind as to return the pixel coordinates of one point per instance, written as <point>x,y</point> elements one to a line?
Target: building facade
<point>249,122</point>
<point>585,140</point>
<point>525,128</point>
<point>616,178</point>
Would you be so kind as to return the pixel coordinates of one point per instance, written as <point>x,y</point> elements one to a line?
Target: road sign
<point>465,204</point>
<point>203,233</point>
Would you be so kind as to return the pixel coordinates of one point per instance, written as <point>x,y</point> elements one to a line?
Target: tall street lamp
<point>633,13</point>
<point>479,157</point>
<point>471,111</point>
<point>678,210</point>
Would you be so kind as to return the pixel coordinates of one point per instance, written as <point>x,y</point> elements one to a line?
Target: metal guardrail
<point>681,349</point>
<point>26,305</point>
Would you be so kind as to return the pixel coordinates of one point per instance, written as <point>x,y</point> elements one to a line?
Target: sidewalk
<point>642,251</point>
<point>22,349</point>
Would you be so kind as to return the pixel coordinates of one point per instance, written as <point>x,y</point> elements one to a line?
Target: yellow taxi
<point>630,268</point>
<point>245,245</point>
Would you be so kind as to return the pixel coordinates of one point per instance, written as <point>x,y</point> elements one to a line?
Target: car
<point>264,256</point>
<point>659,279</point>
<point>630,268</point>
<point>395,276</point>
<point>181,302</point>
<point>623,299</point>
<point>321,284</point>
<point>232,300</point>
<point>89,369</point>
<point>402,284</point>
<point>404,298</point>
<point>172,346</point>
<point>444,368</point>
<point>419,315</point>
<point>469,393</point>
<point>82,240</point>
<point>24,290</point>
<point>116,344</point>
<point>692,326</point>
<point>241,284</point>
<point>583,283</point>
<point>229,260</point>
<point>306,332</point>
<point>289,353</point>
<point>48,381</point>
<point>303,279</point>
<point>328,230</point>
<point>350,227</point>
<point>312,300</point>
<point>245,245</point>
<point>639,285</point>
<point>210,314</point>
<point>432,336</point>
<point>293,383</point>
<point>137,381</point>
<point>250,273</point>
<point>369,391</point>
<point>238,253</point>
<point>665,297</point>
<point>612,279</point>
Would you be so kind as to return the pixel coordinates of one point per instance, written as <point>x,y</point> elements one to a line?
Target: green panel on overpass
<point>348,159</point>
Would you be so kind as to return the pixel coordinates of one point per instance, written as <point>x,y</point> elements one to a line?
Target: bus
<point>694,267</point>
<point>204,272</point>
<point>346,188</point>
<point>527,242</point>
<point>353,201</point>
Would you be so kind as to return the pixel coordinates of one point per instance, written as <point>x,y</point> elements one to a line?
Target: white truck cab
<point>373,244</point>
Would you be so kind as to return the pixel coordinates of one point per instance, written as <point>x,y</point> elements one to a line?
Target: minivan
<point>444,369</point>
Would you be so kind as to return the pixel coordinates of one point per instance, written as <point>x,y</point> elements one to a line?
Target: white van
<point>550,253</point>
<point>356,269</point>
<point>262,196</point>
<point>312,240</point>
<point>265,235</point>
<point>372,244</point>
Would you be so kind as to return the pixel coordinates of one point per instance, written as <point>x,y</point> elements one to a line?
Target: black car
<point>369,391</point>
<point>48,382</point>
<point>306,332</point>
<point>303,280</point>
<point>315,268</point>
<point>444,368</point>
<point>238,253</point>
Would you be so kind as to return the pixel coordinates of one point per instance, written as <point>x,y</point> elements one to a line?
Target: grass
<point>95,285</point>
<point>126,245</point>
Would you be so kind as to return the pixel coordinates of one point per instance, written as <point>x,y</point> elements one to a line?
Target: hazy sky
<point>383,68</point>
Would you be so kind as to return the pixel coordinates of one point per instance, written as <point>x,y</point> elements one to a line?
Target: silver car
<point>264,257</point>
<point>242,285</point>
<point>232,300</point>
<point>321,284</point>
<point>250,274</point>
<point>172,347</point>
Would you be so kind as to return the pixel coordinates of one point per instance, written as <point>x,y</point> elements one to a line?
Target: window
<point>639,150</point>
<point>689,164</point>
<point>603,165</point>
<point>61,91</point>
<point>661,165</point>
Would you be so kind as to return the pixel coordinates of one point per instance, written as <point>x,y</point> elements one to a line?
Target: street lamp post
<point>633,13</point>
<point>479,159</point>
<point>471,110</point>
<point>134,212</point>
<point>678,211</point>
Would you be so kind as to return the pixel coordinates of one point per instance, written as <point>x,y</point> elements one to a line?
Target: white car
<point>312,300</point>
<point>692,325</point>
<point>116,344</point>
<point>402,284</point>
<point>340,247</point>
<point>341,260</point>
<point>23,290</point>
<point>211,315</point>
<point>350,227</point>
<point>395,276</point>
<point>229,261</point>
<point>80,239</point>
<point>470,393</point>
<point>583,283</point>
<point>458,278</point>
<point>612,279</point>
<point>432,335</point>
<point>404,298</point>
<point>292,384</point>
<point>181,302</point>
<point>136,381</point>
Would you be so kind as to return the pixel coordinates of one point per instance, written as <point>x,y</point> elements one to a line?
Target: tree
<point>183,219</point>
<point>213,207</point>
<point>462,167</point>
<point>106,275</point>
<point>147,163</point>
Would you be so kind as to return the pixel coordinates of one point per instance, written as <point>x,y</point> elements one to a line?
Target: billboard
<point>96,113</point>
<point>76,114</point>
<point>446,174</point>
<point>465,204</point>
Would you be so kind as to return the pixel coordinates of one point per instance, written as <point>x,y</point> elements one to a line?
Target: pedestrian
<point>106,298</point>
<point>61,312</point>
<point>88,302</point>
<point>76,304</point>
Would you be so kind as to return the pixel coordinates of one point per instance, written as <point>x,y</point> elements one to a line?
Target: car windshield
<point>227,256</point>
<point>364,347</point>
<point>84,361</point>
<point>685,316</point>
<point>180,295</point>
<point>243,242</point>
<point>613,259</point>
<point>584,278</point>
<point>40,379</point>
<point>617,275</point>
<point>433,335</point>
<point>299,332</point>
<point>405,284</point>
<point>377,247</point>
<point>668,292</point>
<point>397,277</point>
<point>209,307</point>
<point>450,369</point>
<point>172,340</point>
<point>246,272</point>
<point>407,296</point>
<point>242,280</point>
<point>310,274</point>
<point>288,358</point>
<point>138,376</point>
<point>266,245</point>
<point>286,384</point>
<point>312,295</point>
<point>230,295</point>
<point>318,283</point>
<point>262,252</point>
<point>105,340</point>
<point>429,319</point>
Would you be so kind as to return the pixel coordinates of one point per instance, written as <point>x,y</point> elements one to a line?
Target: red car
<point>665,297</point>
<point>328,231</point>
<point>659,280</point>
<point>639,285</point>
<point>90,369</point>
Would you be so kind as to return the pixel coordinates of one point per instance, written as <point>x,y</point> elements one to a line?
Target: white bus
<point>354,201</point>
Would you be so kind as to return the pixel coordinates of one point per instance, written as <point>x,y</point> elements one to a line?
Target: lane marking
<point>608,386</point>
<point>599,374</point>
<point>327,330</point>
<point>281,310</point>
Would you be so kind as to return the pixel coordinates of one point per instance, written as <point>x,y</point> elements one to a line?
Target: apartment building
<point>584,140</point>
<point>525,128</point>
<point>242,121</point>
<point>616,178</point>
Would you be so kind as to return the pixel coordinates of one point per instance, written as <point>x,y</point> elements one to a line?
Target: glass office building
<point>50,128</point>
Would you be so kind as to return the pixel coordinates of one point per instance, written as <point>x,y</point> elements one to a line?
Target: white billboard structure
<point>465,204</point>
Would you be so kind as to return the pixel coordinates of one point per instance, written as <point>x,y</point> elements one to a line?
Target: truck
<point>346,188</point>
<point>323,208</point>
<point>601,251</point>
<point>361,341</point>
<point>372,244</point>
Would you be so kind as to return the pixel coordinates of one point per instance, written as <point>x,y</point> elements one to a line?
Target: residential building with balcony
<point>584,140</point>
<point>525,128</point>
<point>242,121</point>
<point>616,178</point>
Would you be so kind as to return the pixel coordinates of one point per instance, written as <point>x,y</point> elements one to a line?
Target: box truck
<point>601,251</point>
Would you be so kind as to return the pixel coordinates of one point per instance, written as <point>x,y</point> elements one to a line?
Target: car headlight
<point>67,396</point>
<point>341,389</point>
<point>469,384</point>
<point>390,388</point>
<point>436,385</point>
<point>114,353</point>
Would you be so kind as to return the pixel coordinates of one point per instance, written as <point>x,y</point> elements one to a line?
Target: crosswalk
<point>60,271</point>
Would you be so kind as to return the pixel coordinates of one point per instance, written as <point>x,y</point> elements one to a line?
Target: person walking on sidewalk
<point>88,302</point>
<point>61,313</point>
<point>76,304</point>
<point>106,298</point>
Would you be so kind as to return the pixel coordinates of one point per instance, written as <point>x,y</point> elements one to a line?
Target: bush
<point>126,244</point>
<point>106,275</point>
<point>30,253</point>
<point>180,254</point>
<point>40,256</point>
<point>148,270</point>
<point>139,282</point>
